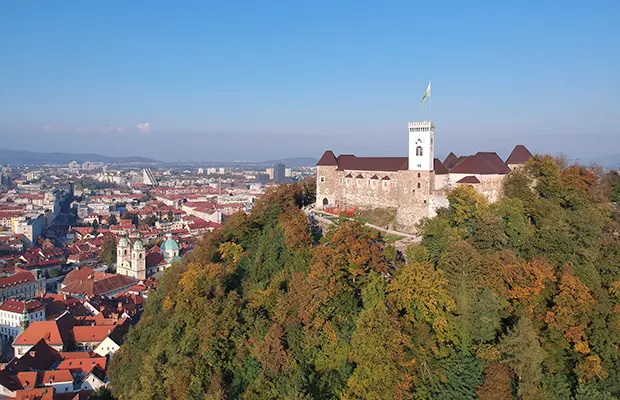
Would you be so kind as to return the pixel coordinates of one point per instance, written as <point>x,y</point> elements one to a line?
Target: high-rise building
<point>148,178</point>
<point>279,171</point>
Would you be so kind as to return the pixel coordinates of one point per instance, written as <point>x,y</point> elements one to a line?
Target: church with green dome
<point>134,261</point>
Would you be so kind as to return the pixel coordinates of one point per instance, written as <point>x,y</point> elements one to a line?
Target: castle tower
<point>421,146</point>
<point>138,260</point>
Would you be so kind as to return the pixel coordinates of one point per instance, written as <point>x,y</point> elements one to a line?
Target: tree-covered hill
<point>517,299</point>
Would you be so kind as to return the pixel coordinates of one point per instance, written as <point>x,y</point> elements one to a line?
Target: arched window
<point>325,201</point>
<point>419,185</point>
<point>419,175</point>
<point>418,151</point>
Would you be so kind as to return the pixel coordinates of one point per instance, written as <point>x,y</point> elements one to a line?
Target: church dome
<point>169,245</point>
<point>123,242</point>
<point>138,245</point>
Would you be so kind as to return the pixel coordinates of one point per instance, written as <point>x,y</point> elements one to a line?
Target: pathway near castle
<point>400,244</point>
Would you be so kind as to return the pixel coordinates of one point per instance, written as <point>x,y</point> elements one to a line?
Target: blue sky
<point>224,80</point>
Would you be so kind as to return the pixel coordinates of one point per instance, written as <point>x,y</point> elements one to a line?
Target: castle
<point>415,185</point>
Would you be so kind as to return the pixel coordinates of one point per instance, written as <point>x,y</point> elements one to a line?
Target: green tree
<point>107,255</point>
<point>525,356</point>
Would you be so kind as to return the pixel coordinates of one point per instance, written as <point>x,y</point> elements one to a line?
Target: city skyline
<point>240,81</point>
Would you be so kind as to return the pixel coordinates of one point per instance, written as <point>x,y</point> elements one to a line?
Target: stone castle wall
<point>415,194</point>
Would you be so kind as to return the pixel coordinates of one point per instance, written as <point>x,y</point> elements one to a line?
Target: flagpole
<point>430,105</point>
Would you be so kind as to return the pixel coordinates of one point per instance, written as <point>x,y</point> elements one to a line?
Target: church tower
<point>421,146</point>
<point>122,252</point>
<point>138,259</point>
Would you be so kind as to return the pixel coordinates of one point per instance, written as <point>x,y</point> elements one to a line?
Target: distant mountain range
<point>22,157</point>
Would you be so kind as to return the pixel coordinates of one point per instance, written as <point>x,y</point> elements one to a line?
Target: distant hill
<point>611,161</point>
<point>21,157</point>
<point>294,162</point>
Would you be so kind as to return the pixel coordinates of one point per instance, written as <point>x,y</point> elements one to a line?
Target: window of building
<point>419,186</point>
<point>419,151</point>
<point>322,178</point>
<point>348,181</point>
<point>419,175</point>
<point>341,181</point>
<point>385,184</point>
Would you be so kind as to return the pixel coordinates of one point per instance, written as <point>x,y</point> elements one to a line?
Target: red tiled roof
<point>27,379</point>
<point>352,162</point>
<point>16,279</point>
<point>35,394</point>
<point>77,274</point>
<point>450,161</point>
<point>468,179</point>
<point>15,306</point>
<point>37,330</point>
<point>439,167</point>
<point>74,354</point>
<point>40,357</point>
<point>96,287</point>
<point>482,163</point>
<point>91,333</point>
<point>55,376</point>
<point>82,364</point>
<point>520,155</point>
<point>328,159</point>
<point>153,259</point>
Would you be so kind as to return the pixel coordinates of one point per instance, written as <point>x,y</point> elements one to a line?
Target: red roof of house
<point>17,307</point>
<point>520,155</point>
<point>82,364</point>
<point>37,330</point>
<point>46,393</point>
<point>92,333</point>
<point>97,286</point>
<point>482,163</point>
<point>48,377</point>
<point>469,179</point>
<point>16,279</point>
<point>40,357</point>
<point>77,274</point>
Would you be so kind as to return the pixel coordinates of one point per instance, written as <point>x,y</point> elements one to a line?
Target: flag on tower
<point>426,94</point>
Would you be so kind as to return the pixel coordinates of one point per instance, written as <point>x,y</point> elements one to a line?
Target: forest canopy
<point>518,299</point>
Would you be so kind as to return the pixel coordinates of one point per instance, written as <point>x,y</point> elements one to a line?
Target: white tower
<point>421,146</point>
<point>122,253</point>
<point>138,259</point>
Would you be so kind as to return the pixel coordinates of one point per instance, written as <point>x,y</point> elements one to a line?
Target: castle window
<point>419,186</point>
<point>348,181</point>
<point>419,151</point>
<point>419,175</point>
<point>385,184</point>
<point>322,179</point>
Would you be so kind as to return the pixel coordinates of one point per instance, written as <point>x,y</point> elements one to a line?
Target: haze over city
<point>264,80</point>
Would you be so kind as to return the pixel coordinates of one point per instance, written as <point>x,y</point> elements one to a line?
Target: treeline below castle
<point>519,299</point>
